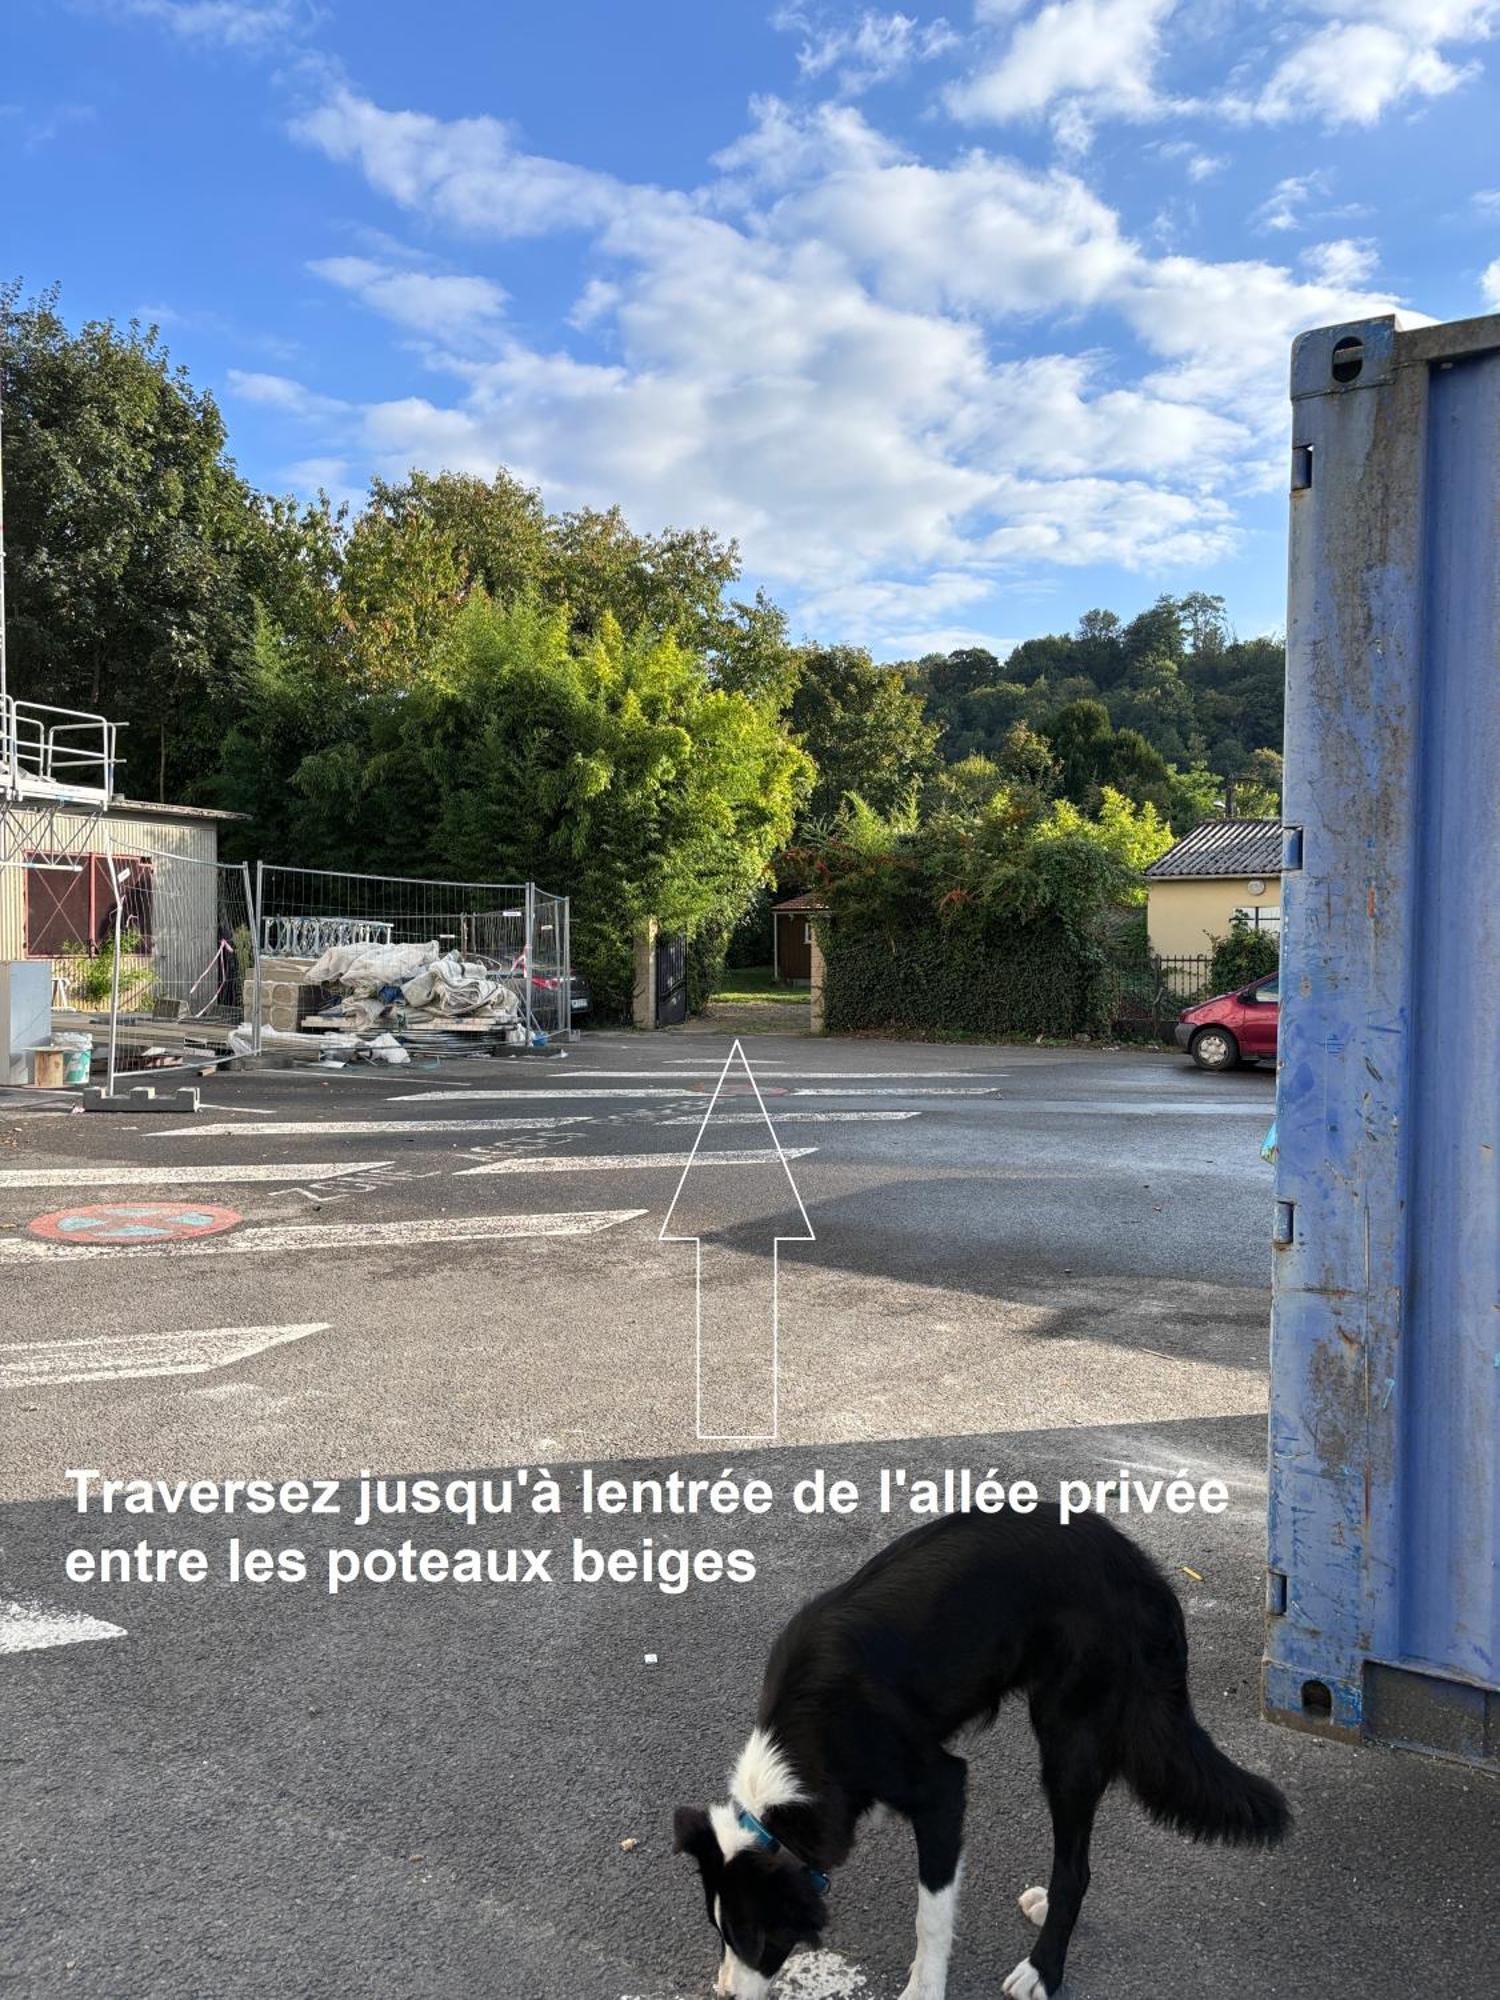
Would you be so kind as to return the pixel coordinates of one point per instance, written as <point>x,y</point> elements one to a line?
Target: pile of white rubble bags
<point>398,987</point>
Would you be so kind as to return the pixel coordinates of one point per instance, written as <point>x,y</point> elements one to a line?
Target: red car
<point>1235,1028</point>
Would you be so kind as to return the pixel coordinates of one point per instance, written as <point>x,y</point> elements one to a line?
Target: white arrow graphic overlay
<point>737,1315</point>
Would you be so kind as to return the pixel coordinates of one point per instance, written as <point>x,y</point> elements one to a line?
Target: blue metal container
<point>1384,1597</point>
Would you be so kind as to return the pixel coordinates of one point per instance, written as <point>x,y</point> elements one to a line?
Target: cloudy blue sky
<point>961,321</point>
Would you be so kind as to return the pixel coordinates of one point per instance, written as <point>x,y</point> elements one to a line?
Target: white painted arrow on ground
<point>330,1236</point>
<point>27,1364</point>
<point>27,1627</point>
<point>135,1177</point>
<point>584,1163</point>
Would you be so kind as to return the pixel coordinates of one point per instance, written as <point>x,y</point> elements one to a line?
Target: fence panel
<point>181,961</point>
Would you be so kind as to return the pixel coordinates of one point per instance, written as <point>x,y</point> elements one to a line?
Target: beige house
<point>1194,890</point>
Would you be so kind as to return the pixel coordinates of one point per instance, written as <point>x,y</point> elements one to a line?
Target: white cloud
<point>1335,62</point>
<point>866,51</point>
<point>1489,285</point>
<point>1348,260</point>
<point>1282,208</point>
<point>1371,56</point>
<point>248,25</point>
<point>1351,74</point>
<point>1090,57</point>
<point>467,172</point>
<point>817,351</point>
<point>1200,166</point>
<point>425,301</point>
<point>282,393</point>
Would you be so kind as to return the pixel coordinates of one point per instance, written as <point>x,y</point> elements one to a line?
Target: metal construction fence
<point>513,929</point>
<point>158,958</point>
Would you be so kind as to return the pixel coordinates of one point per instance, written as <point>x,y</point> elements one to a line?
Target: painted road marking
<point>785,1069</point>
<point>1155,1108</point>
<point>81,1177</point>
<point>356,1128</point>
<point>27,1627</point>
<point>335,1236</point>
<point>795,1117</point>
<point>483,1095</point>
<point>133,1222</point>
<point>687,1090</point>
<point>565,1163</point>
<point>872,1075</point>
<point>27,1364</point>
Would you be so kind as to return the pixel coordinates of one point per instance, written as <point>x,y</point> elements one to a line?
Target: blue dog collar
<point>766,1839</point>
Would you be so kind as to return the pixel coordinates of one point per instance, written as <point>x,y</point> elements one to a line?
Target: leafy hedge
<point>1026,980</point>
<point>1244,955</point>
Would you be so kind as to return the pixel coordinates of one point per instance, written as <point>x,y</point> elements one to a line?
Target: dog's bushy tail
<point>1185,1781</point>
<point>1177,1771</point>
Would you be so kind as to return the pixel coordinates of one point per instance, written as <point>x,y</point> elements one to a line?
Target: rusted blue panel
<point>1385,1398</point>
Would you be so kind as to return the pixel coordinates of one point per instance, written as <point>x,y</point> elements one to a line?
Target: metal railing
<point>49,752</point>
<point>1149,993</point>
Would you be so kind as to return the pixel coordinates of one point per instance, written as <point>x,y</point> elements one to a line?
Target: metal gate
<point>671,981</point>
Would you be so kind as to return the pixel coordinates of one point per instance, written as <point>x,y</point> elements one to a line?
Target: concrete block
<point>143,1097</point>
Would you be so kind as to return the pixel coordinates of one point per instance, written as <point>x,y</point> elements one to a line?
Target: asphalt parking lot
<point>1049,1261</point>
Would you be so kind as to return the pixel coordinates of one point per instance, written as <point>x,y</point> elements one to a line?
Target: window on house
<point>70,908</point>
<point>1261,917</point>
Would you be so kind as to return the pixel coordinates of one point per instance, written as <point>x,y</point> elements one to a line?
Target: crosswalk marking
<point>133,1177</point>
<point>577,1163</point>
<point>780,1117</point>
<point>485,1095</point>
<point>359,1128</point>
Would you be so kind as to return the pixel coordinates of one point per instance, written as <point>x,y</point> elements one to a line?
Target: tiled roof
<point>1222,847</point>
<point>806,901</point>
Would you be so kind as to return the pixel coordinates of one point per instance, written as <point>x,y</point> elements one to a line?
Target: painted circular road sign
<point>134,1222</point>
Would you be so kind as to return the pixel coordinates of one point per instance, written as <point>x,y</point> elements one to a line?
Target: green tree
<point>130,538</point>
<point>1134,835</point>
<point>863,727</point>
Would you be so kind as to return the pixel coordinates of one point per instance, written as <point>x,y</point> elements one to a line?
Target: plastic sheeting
<point>412,976</point>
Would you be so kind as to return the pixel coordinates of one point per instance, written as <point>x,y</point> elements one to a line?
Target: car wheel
<point>1214,1048</point>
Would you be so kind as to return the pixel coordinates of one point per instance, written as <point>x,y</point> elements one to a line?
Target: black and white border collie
<point>869,1683</point>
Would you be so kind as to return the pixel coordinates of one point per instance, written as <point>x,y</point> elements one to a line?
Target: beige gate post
<point>643,999</point>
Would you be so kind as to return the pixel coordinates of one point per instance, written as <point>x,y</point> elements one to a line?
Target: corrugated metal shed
<point>1222,847</point>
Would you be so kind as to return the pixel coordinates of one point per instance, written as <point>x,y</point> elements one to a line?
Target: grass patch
<point>746,983</point>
